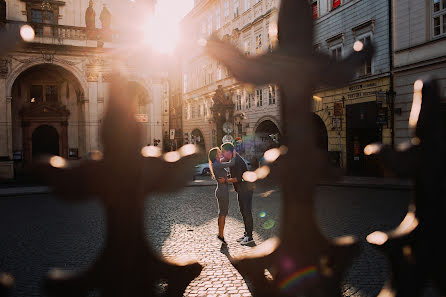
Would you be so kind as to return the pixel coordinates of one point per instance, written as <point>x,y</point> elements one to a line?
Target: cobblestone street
<point>40,232</point>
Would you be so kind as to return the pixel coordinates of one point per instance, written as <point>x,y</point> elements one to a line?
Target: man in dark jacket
<point>243,189</point>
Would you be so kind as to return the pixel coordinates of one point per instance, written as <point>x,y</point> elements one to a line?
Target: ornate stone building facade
<point>211,97</point>
<point>419,53</point>
<point>360,113</point>
<point>54,90</point>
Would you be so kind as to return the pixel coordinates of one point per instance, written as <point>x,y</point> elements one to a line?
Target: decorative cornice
<point>369,23</point>
<point>339,36</point>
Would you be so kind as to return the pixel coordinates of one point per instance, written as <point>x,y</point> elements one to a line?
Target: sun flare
<point>162,31</point>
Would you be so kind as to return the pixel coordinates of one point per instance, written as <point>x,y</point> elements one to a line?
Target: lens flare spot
<point>272,155</point>
<point>377,238</point>
<point>27,33</point>
<point>358,46</point>
<point>249,176</point>
<point>273,31</point>
<point>188,149</point>
<point>403,146</point>
<point>172,157</point>
<point>262,172</point>
<point>269,224</point>
<point>262,214</point>
<point>151,151</point>
<point>372,149</point>
<point>58,162</point>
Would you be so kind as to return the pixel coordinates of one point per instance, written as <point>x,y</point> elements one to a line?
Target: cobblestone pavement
<point>40,232</point>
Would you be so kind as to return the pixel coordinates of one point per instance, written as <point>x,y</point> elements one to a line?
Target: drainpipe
<point>391,62</point>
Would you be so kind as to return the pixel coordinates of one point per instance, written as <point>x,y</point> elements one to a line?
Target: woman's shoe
<point>222,239</point>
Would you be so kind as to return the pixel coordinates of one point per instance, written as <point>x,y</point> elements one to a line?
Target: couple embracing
<point>227,167</point>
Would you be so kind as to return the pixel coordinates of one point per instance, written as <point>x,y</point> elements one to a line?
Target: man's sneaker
<point>247,240</point>
<point>241,238</point>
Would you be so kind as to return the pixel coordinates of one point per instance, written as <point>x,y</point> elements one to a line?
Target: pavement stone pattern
<point>40,232</point>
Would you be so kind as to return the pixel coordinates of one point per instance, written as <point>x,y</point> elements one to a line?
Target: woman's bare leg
<point>221,225</point>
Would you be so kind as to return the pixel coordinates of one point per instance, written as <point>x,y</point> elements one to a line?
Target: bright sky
<point>163,30</point>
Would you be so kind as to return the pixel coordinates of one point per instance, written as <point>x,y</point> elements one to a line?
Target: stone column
<point>100,108</point>
<point>6,164</point>
<point>93,125</point>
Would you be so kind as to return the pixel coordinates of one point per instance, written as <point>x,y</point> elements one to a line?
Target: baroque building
<point>212,99</point>
<point>360,113</point>
<point>419,53</point>
<point>54,89</point>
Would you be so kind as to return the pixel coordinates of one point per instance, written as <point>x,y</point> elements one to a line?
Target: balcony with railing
<point>63,35</point>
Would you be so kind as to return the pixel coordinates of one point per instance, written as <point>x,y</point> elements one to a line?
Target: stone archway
<point>198,139</point>
<point>321,133</point>
<point>267,136</point>
<point>45,141</point>
<point>47,95</point>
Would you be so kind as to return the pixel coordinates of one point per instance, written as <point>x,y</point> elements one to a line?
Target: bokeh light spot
<point>151,151</point>
<point>172,157</point>
<point>262,214</point>
<point>358,46</point>
<point>27,33</point>
<point>262,172</point>
<point>372,149</point>
<point>58,162</point>
<point>188,149</point>
<point>96,155</point>
<point>249,176</point>
<point>272,155</point>
<point>377,238</point>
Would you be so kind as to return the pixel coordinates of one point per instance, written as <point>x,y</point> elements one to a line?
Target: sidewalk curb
<point>26,191</point>
<point>369,186</point>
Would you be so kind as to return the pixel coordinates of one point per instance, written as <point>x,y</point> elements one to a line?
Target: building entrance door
<point>45,141</point>
<point>362,130</point>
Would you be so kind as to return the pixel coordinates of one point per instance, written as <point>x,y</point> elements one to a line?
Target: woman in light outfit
<point>218,171</point>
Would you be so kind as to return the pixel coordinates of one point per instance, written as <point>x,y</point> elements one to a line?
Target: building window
<point>336,52</point>
<point>259,97</point>
<point>247,101</point>
<point>209,24</point>
<point>314,8</point>
<point>366,67</point>
<point>44,93</point>
<point>205,110</point>
<point>247,47</point>
<point>335,3</point>
<point>217,19</point>
<point>438,18</point>
<point>272,95</point>
<point>247,5</point>
<point>259,44</point>
<point>226,5</point>
<point>236,8</point>
<point>238,104</point>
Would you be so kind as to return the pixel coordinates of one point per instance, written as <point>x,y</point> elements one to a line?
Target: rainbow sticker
<point>298,277</point>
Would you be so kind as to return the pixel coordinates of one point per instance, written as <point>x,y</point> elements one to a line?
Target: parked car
<point>203,168</point>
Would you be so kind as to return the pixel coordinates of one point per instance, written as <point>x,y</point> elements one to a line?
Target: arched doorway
<point>321,133</point>
<point>198,139</point>
<point>267,136</point>
<point>48,98</point>
<point>45,141</point>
